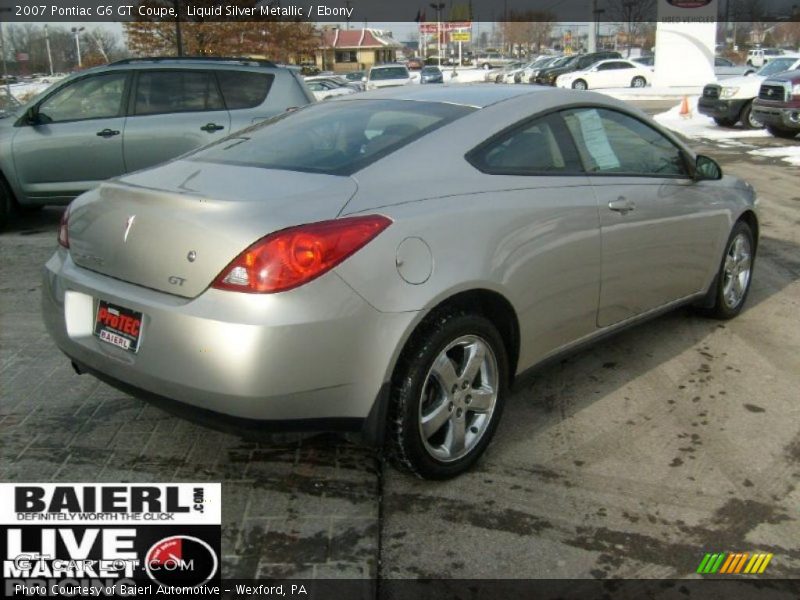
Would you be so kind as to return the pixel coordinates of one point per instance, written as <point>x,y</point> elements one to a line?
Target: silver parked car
<point>295,272</point>
<point>129,115</point>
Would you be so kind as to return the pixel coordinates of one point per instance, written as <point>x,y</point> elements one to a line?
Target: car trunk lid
<point>175,228</point>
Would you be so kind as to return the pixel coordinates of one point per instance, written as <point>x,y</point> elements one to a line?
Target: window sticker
<point>596,140</point>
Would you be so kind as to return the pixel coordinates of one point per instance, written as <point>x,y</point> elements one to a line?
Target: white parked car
<point>387,76</point>
<point>611,73</point>
<point>323,90</point>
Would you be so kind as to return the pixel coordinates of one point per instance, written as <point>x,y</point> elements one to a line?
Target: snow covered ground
<point>27,90</point>
<point>700,126</point>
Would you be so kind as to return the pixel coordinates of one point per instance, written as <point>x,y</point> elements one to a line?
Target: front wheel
<point>579,84</point>
<point>747,118</point>
<point>724,122</point>
<point>638,82</point>
<point>781,133</point>
<point>486,66</point>
<point>447,395</point>
<point>732,283</point>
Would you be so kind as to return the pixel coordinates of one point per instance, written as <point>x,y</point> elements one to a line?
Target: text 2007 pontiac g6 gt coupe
<point>298,272</point>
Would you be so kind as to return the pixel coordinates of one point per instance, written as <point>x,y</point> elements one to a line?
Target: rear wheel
<point>638,82</point>
<point>781,133</point>
<point>579,84</point>
<point>732,283</point>
<point>747,118</point>
<point>447,395</point>
<point>724,122</point>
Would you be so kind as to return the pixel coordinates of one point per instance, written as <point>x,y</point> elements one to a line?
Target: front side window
<point>610,142</point>
<point>532,149</point>
<point>333,138</point>
<point>95,97</point>
<point>160,92</point>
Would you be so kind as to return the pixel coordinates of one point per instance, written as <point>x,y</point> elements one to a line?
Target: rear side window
<point>336,138</point>
<point>244,89</point>
<point>176,91</point>
<point>531,149</point>
<point>389,73</point>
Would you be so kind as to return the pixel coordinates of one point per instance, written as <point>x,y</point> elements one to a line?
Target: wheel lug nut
<point>465,385</point>
<point>455,387</point>
<point>459,412</point>
<point>450,407</point>
<point>468,399</point>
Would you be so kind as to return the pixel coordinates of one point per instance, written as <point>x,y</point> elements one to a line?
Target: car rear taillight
<point>63,229</point>
<point>292,257</point>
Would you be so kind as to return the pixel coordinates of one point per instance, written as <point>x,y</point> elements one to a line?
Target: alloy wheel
<point>458,398</point>
<point>736,271</point>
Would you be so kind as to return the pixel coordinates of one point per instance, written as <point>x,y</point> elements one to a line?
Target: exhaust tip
<point>77,368</point>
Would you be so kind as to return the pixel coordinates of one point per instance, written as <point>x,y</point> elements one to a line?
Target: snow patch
<point>789,154</point>
<point>696,125</point>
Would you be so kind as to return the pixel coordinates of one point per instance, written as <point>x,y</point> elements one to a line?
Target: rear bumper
<point>785,118</point>
<point>316,353</point>
<point>721,109</point>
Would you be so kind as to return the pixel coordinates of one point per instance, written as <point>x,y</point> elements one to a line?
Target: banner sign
<point>84,539</point>
<point>445,26</point>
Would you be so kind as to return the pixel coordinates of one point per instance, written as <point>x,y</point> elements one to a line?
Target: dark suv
<point>575,63</point>
<point>129,115</point>
<point>778,104</point>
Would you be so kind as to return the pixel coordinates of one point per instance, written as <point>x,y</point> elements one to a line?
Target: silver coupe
<point>391,261</point>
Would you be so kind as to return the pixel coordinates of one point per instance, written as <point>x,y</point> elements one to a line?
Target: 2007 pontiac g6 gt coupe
<point>390,261</point>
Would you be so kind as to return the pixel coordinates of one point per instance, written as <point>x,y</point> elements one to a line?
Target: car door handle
<point>107,133</point>
<point>211,127</point>
<point>621,205</point>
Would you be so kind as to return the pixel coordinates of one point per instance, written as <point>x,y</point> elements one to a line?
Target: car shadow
<point>33,221</point>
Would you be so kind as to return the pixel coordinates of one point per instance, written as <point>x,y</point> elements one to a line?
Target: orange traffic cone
<point>685,111</point>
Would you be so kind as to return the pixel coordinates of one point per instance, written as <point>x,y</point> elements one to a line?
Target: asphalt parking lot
<point>631,459</point>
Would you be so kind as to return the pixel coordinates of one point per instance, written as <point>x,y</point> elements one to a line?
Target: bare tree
<point>634,15</point>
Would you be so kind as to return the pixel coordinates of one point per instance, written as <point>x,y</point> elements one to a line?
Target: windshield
<point>336,138</point>
<point>564,61</point>
<point>777,65</point>
<point>389,73</point>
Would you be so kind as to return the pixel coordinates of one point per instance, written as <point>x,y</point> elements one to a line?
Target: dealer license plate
<point>119,326</point>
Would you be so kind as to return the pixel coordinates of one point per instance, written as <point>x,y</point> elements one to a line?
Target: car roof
<point>189,62</point>
<point>477,95</point>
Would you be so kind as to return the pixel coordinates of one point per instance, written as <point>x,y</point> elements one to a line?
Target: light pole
<point>438,6</point>
<point>47,45</point>
<point>76,31</point>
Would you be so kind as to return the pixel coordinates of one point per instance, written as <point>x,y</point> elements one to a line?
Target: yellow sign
<point>461,36</point>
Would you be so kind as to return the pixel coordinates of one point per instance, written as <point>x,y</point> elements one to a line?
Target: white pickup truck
<point>731,100</point>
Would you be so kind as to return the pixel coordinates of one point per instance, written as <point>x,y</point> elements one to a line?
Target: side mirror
<point>32,116</point>
<point>707,168</point>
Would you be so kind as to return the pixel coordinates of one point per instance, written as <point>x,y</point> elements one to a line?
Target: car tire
<point>781,133</point>
<point>7,204</point>
<point>638,82</point>
<point>746,117</point>
<point>724,122</point>
<point>440,396</point>
<point>728,292</point>
<point>486,66</point>
<point>580,84</point>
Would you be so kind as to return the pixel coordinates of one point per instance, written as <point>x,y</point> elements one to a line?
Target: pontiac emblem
<point>128,226</point>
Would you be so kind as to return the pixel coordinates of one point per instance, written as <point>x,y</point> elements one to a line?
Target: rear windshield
<point>777,65</point>
<point>336,138</point>
<point>389,73</point>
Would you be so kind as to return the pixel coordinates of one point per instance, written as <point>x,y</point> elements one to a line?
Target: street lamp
<point>76,31</point>
<point>47,45</point>
<point>438,6</point>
